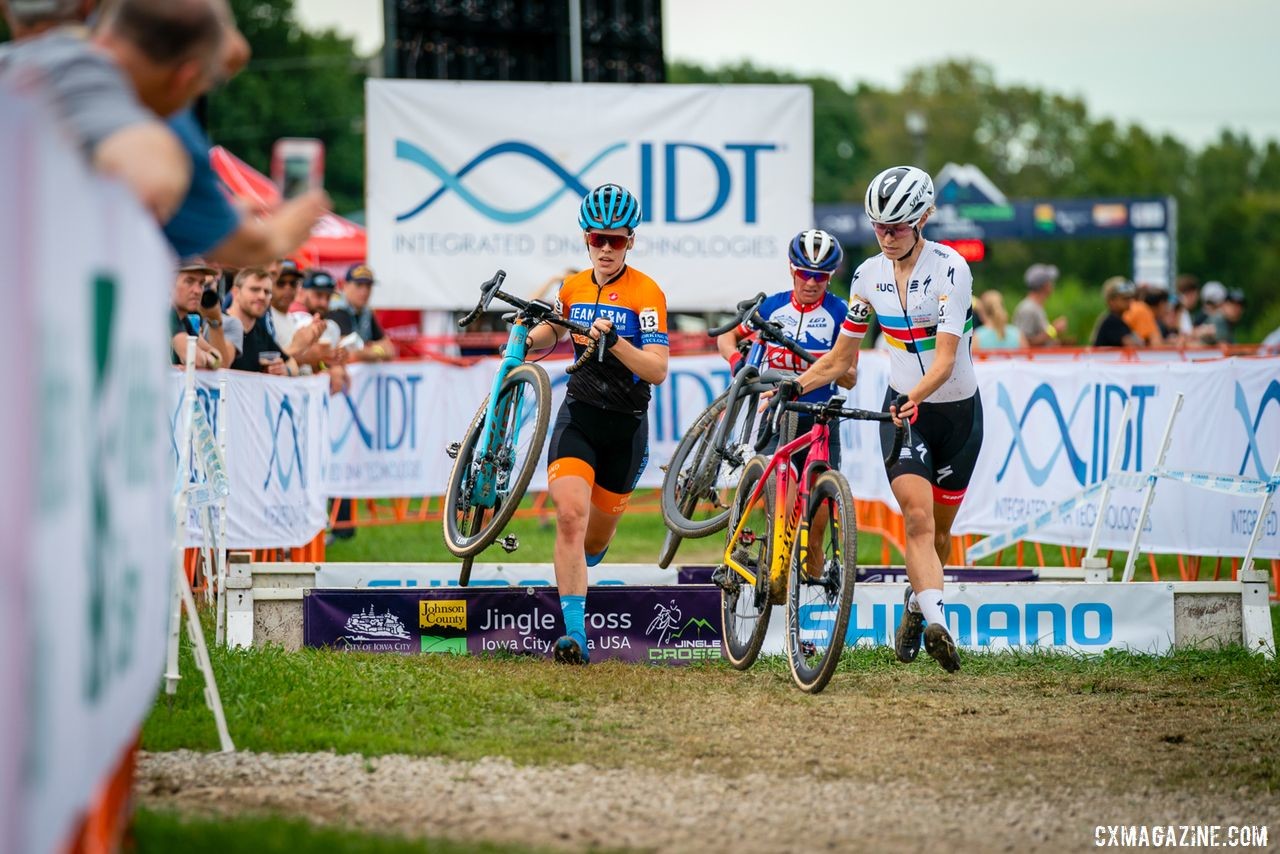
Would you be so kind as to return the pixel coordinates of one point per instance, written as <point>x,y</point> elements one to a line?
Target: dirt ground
<point>998,767</point>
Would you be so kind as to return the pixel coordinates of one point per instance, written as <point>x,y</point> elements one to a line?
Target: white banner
<point>277,454</point>
<point>428,575</point>
<point>96,279</point>
<point>1049,428</point>
<point>465,178</point>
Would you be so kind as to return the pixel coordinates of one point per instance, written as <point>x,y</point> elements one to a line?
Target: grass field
<point>1035,749</point>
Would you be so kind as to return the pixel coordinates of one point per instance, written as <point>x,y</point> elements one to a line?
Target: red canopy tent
<point>335,243</point>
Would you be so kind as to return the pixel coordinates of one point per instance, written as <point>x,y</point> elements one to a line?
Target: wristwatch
<point>216,324</point>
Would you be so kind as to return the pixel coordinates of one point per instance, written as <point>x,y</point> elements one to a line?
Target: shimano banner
<point>466,177</point>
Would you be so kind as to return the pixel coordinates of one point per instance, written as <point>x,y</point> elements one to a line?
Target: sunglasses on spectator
<point>900,230</point>
<point>613,241</point>
<point>812,275</point>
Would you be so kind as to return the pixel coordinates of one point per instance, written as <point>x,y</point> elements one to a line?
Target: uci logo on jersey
<point>884,287</point>
<point>735,166</point>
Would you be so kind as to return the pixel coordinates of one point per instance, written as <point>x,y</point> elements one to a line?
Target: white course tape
<point>996,542</point>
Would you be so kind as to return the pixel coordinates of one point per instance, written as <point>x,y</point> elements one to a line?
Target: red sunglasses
<point>613,241</point>
<point>812,275</point>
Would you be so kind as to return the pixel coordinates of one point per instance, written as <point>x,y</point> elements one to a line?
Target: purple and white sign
<point>657,625</point>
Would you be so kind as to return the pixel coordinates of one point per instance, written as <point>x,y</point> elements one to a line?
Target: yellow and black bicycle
<point>802,552</point>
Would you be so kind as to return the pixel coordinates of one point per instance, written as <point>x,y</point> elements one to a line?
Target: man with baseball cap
<point>317,292</point>
<point>1111,330</point>
<point>1030,316</point>
<point>355,315</point>
<point>194,313</point>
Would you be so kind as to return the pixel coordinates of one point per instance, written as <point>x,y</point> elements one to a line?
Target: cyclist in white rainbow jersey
<point>921,293</point>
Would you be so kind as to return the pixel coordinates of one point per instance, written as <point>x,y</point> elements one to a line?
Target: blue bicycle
<point>495,461</point>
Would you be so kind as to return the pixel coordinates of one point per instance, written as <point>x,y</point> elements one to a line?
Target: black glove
<point>789,390</point>
<point>610,338</point>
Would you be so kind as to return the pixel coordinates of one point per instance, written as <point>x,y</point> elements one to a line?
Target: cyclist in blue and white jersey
<point>921,292</point>
<point>811,316</point>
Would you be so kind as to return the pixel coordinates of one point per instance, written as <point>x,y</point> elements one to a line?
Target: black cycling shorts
<point>945,441</point>
<point>800,457</point>
<point>607,449</point>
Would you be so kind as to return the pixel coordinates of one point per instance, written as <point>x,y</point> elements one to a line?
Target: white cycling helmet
<point>899,194</point>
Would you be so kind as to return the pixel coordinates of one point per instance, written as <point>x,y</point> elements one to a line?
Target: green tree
<point>298,83</point>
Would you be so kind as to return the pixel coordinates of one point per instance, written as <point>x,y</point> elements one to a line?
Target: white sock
<point>931,606</point>
<point>913,604</point>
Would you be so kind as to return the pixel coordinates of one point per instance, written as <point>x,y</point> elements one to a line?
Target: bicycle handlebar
<point>749,312</point>
<point>540,312</point>
<point>833,409</point>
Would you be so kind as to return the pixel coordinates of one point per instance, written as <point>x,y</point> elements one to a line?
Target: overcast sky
<point>1187,67</point>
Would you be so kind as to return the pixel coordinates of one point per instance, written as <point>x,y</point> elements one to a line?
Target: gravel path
<point>580,807</point>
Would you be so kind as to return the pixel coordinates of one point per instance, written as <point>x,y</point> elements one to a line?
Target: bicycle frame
<point>788,528</point>
<point>486,488</point>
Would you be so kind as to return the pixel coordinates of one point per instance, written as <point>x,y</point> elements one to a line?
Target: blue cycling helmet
<point>815,250</point>
<point>609,206</point>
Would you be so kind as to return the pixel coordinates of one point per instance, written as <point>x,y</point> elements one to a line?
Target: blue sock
<point>593,559</point>
<point>574,608</point>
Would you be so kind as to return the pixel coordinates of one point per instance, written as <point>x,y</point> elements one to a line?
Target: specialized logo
<point>447,613</point>
<point>1251,423</point>
<point>571,181</point>
<point>276,465</point>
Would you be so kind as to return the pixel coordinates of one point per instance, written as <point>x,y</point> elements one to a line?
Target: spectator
<point>1213,295</point>
<point>191,316</point>
<point>1140,317</point>
<point>354,315</point>
<point>1162,306</point>
<point>296,331</point>
<point>1030,317</point>
<point>251,294</point>
<point>316,294</point>
<point>1232,312</point>
<point>997,333</point>
<point>1111,330</point>
<point>97,101</point>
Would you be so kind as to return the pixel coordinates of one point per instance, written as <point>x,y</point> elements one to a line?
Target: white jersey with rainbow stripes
<point>939,299</point>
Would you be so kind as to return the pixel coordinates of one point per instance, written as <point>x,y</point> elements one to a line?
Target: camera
<point>209,298</point>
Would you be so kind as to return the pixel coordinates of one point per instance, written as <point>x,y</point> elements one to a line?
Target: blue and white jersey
<point>814,327</point>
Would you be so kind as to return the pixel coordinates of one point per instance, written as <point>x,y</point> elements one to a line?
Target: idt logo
<point>394,420</point>
<point>661,166</point>
<point>286,448</point>
<point>1252,420</point>
<point>1108,405</point>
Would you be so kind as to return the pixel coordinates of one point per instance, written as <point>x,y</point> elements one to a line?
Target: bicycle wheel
<point>744,607</point>
<point>670,543</point>
<point>818,607</point>
<point>702,475</point>
<point>519,432</point>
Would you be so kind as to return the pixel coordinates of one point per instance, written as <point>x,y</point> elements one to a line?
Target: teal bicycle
<point>495,461</point>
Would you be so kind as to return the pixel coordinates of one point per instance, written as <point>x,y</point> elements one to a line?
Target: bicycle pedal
<point>509,543</point>
<point>453,449</point>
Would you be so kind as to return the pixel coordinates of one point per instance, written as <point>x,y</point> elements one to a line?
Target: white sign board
<point>466,178</point>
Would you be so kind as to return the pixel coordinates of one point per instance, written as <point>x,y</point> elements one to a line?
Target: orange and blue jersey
<point>638,309</point>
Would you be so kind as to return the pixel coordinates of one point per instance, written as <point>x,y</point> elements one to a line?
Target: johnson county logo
<point>446,613</point>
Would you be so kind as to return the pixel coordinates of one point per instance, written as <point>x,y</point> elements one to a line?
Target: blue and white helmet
<point>900,194</point>
<point>609,206</point>
<point>815,250</point>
